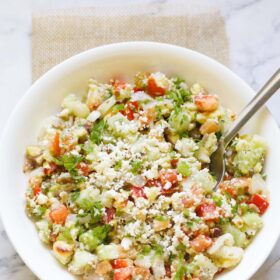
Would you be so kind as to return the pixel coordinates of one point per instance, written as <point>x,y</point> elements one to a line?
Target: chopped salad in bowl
<point>119,185</point>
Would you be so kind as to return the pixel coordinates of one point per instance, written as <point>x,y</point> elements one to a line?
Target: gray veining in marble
<point>253,28</point>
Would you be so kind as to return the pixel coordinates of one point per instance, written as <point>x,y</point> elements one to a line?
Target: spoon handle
<point>254,105</point>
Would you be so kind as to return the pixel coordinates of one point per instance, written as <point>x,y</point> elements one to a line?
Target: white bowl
<point>125,59</point>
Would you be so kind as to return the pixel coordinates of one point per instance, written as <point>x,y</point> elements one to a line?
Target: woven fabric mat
<point>57,35</point>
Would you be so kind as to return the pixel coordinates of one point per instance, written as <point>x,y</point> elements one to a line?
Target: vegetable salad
<point>119,185</point>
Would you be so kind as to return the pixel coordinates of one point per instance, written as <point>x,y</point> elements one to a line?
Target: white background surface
<point>253,28</point>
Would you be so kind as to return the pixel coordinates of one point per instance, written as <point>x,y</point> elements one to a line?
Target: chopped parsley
<point>96,212</point>
<point>97,132</point>
<point>234,208</point>
<point>181,248</point>
<point>117,108</point>
<point>70,162</point>
<point>118,165</point>
<point>179,96</point>
<point>75,195</point>
<point>181,272</point>
<point>158,249</point>
<point>135,166</point>
<point>218,200</point>
<point>190,224</point>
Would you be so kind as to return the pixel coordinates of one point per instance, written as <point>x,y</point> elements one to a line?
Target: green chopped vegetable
<point>70,162</point>
<point>183,168</point>
<point>135,166</point>
<point>96,212</point>
<point>94,237</point>
<point>180,273</point>
<point>253,220</point>
<point>75,195</point>
<point>161,218</point>
<point>240,239</point>
<point>146,249</point>
<point>158,249</point>
<point>118,107</point>
<point>218,200</point>
<point>118,165</point>
<point>97,132</point>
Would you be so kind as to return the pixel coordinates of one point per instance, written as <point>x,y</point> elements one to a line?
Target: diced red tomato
<point>224,186</point>
<point>36,189</point>
<point>118,84</point>
<point>120,263</point>
<point>59,215</point>
<point>154,89</point>
<point>174,162</point>
<point>84,168</point>
<point>130,109</point>
<point>138,192</point>
<point>135,89</point>
<point>201,243</point>
<point>188,202</point>
<point>168,176</point>
<point>169,192</point>
<point>123,273</point>
<point>260,202</point>
<point>55,145</point>
<point>153,183</point>
<point>207,211</point>
<point>134,105</point>
<point>206,103</point>
<point>231,186</point>
<point>49,170</point>
<point>110,213</point>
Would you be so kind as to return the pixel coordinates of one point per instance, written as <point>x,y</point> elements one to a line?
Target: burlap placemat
<point>60,34</point>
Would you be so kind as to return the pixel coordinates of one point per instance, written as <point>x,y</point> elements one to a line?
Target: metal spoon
<point>217,163</point>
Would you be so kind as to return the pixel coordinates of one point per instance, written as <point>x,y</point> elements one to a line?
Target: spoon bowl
<point>217,163</point>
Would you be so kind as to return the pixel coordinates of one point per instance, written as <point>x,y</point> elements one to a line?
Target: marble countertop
<point>253,28</point>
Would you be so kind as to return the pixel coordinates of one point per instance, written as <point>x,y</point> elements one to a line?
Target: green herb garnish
<point>117,108</point>
<point>70,162</point>
<point>135,166</point>
<point>234,209</point>
<point>75,195</point>
<point>118,165</point>
<point>97,132</point>
<point>158,249</point>
<point>179,96</point>
<point>96,212</point>
<point>218,200</point>
<point>94,237</point>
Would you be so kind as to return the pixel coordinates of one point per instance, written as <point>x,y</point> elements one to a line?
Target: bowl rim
<point>79,58</point>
